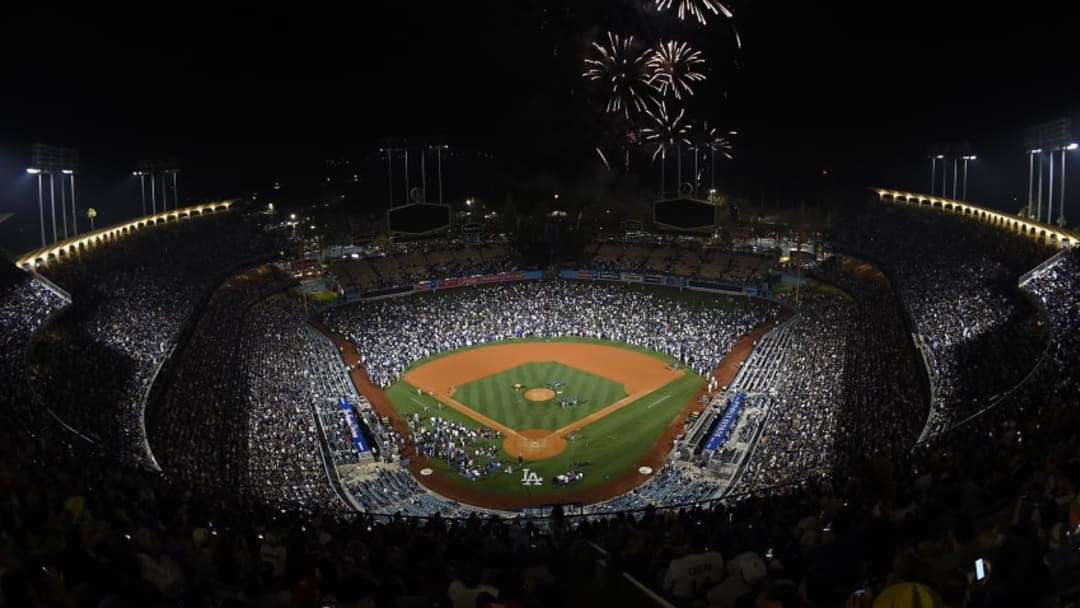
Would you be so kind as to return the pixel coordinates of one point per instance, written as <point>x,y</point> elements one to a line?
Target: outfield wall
<point>732,289</point>
<point>437,284</point>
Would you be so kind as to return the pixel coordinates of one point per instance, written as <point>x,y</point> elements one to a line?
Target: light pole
<point>1061,205</point>
<point>52,205</point>
<point>944,174</point>
<point>423,171</point>
<point>712,169</point>
<point>153,195</point>
<point>390,176</point>
<point>142,186</point>
<point>63,207</point>
<point>966,157</point>
<point>933,174</point>
<point>74,218</point>
<point>1050,192</point>
<point>678,168</point>
<point>663,168</point>
<point>41,204</point>
<point>695,149</point>
<point>439,161</point>
<point>175,191</point>
<point>1038,198</point>
<point>1031,177</point>
<point>954,177</point>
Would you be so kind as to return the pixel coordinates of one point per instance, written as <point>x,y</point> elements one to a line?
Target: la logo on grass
<point>530,478</point>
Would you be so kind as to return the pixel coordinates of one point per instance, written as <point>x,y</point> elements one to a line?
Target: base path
<point>461,491</point>
<point>639,373</point>
<point>535,444</point>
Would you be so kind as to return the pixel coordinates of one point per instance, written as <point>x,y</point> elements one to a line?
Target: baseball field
<point>623,407</point>
<point>560,406</point>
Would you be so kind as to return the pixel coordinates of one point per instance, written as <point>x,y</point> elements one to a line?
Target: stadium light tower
<point>74,217</point>
<point>438,157</point>
<point>51,160</point>
<point>954,160</point>
<point>152,167</point>
<point>933,172</point>
<point>142,185</point>
<point>1061,204</point>
<point>1031,177</point>
<point>40,202</point>
<point>966,158</point>
<point>52,205</point>
<point>153,195</point>
<point>175,190</point>
<point>1038,192</point>
<point>1050,191</point>
<point>1048,137</point>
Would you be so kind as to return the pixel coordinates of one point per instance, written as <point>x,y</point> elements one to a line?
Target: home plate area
<point>534,444</point>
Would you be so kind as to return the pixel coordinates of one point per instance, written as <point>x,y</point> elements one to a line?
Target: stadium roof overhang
<point>1053,235</point>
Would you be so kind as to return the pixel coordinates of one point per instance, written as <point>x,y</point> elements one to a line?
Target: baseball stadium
<point>607,362</point>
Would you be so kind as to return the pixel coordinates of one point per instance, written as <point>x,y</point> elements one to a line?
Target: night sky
<point>250,97</point>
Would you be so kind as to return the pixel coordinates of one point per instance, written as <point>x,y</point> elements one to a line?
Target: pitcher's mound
<point>539,394</point>
<point>534,444</point>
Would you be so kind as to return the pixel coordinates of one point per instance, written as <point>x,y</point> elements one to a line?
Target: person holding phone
<point>982,570</point>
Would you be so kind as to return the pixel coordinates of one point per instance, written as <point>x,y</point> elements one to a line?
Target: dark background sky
<point>246,97</point>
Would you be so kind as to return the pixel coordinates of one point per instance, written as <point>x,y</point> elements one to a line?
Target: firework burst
<point>624,70</point>
<point>666,128</point>
<point>700,10</point>
<point>715,140</point>
<point>674,68</point>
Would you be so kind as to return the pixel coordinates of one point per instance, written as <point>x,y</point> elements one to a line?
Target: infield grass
<point>495,396</point>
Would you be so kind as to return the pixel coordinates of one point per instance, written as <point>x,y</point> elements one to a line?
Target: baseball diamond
<point>601,442</point>
<point>606,379</point>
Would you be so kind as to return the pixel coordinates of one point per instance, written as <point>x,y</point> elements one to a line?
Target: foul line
<point>475,415</point>
<point>573,426</point>
<point>658,401</point>
<point>610,409</point>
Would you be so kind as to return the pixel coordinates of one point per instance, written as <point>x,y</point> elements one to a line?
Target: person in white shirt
<point>686,575</point>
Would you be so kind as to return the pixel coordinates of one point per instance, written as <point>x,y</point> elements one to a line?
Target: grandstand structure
<point>1027,227</point>
<point>66,249</point>
<point>820,439</point>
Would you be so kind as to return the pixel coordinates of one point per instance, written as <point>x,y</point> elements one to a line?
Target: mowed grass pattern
<point>610,445</point>
<point>494,395</point>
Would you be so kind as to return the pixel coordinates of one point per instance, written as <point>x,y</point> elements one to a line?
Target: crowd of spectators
<point>958,282</point>
<point>252,386</point>
<point>681,257</point>
<point>409,263</point>
<point>849,388</point>
<point>94,365</point>
<point>394,333</point>
<point>26,304</point>
<point>77,530</point>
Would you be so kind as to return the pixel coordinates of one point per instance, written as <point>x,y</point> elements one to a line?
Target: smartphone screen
<point>980,569</point>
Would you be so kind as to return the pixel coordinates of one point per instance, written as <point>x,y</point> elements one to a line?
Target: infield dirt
<point>641,374</point>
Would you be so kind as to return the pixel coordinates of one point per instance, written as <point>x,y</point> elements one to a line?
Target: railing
<point>60,291</point>
<point>1027,276</point>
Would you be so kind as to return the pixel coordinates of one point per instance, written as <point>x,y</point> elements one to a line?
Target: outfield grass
<point>495,396</point>
<point>611,445</point>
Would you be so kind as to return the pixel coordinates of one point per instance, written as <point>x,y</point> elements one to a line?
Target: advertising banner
<point>720,433</point>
